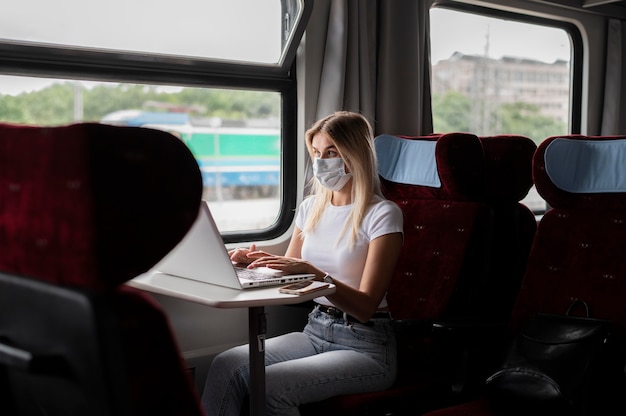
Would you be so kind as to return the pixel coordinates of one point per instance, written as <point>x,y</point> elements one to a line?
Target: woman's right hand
<point>246,255</point>
<point>240,255</point>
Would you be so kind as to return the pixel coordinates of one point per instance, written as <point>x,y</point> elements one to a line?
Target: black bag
<point>557,364</point>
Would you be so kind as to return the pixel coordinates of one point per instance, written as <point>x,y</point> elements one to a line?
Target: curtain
<point>368,56</point>
<point>372,57</point>
<point>614,107</point>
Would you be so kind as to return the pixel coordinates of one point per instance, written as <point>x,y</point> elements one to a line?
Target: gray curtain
<point>375,60</point>
<point>614,107</point>
<point>360,66</point>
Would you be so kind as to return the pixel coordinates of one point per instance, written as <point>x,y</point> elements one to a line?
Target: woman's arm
<point>382,257</point>
<point>295,244</point>
<point>291,262</point>
<point>361,303</point>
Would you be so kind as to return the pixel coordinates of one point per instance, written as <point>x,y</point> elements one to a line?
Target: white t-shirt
<point>322,248</point>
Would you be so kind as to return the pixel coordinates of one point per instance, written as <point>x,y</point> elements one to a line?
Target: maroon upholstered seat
<point>578,250</point>
<point>460,232</point>
<point>83,209</point>
<point>508,178</point>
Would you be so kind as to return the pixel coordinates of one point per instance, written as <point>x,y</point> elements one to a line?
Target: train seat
<point>508,178</point>
<point>447,266</point>
<point>578,250</point>
<point>86,207</point>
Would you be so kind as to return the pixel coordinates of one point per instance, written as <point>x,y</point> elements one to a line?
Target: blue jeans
<point>329,358</point>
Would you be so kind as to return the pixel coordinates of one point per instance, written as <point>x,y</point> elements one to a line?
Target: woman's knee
<point>228,370</point>
<point>230,362</point>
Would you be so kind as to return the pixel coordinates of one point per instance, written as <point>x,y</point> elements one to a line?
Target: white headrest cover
<point>406,161</point>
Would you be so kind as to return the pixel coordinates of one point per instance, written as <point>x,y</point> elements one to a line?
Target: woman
<point>346,234</point>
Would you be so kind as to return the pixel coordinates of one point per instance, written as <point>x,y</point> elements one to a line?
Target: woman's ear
<point>347,165</point>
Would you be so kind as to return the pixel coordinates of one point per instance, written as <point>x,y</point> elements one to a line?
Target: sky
<point>116,26</point>
<point>186,27</point>
<point>201,28</point>
<point>456,31</point>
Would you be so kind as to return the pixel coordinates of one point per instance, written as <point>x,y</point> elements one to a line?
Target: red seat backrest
<point>578,250</point>
<point>439,218</point>
<point>84,208</point>
<point>460,234</point>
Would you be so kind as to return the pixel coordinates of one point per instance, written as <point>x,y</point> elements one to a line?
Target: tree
<point>526,119</point>
<point>451,112</point>
<point>10,109</point>
<point>54,105</point>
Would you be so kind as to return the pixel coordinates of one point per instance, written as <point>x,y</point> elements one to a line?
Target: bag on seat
<point>551,363</point>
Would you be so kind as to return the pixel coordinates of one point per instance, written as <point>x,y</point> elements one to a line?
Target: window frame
<point>54,61</point>
<point>576,62</point>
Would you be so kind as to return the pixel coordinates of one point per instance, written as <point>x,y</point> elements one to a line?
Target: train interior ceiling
<point>612,8</point>
<point>243,118</point>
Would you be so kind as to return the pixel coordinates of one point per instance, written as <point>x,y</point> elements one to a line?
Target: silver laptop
<point>202,256</point>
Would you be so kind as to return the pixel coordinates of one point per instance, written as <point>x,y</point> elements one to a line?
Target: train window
<point>219,75</point>
<point>234,135</point>
<point>497,75</point>
<point>238,30</point>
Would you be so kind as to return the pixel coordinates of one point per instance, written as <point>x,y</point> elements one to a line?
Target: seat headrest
<point>91,205</point>
<point>508,163</point>
<point>410,162</point>
<point>438,166</point>
<point>582,171</point>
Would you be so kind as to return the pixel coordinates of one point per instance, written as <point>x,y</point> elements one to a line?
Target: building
<point>506,80</point>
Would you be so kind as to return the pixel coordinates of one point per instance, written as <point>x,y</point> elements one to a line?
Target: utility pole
<point>78,101</point>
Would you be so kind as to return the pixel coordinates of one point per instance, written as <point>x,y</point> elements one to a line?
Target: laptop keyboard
<point>252,274</point>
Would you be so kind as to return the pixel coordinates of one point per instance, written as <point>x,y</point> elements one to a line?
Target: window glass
<point>499,76</point>
<point>238,30</point>
<point>234,134</point>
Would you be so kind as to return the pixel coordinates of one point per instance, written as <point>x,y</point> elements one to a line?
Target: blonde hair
<point>354,139</point>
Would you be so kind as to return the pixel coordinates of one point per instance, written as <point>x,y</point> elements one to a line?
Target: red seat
<point>461,231</point>
<point>85,208</point>
<point>578,250</point>
<point>508,178</point>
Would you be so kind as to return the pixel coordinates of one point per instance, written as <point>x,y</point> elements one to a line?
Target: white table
<point>222,297</point>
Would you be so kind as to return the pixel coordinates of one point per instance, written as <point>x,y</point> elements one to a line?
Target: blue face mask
<point>331,173</point>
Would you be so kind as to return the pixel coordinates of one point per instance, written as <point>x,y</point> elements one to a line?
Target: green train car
<point>236,161</point>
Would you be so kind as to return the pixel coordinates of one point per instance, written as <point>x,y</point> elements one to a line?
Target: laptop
<point>201,255</point>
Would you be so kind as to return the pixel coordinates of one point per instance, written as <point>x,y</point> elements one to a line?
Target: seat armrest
<point>21,359</point>
<point>413,327</point>
<point>469,329</point>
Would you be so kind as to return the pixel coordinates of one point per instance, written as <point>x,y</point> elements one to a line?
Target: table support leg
<point>256,334</point>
